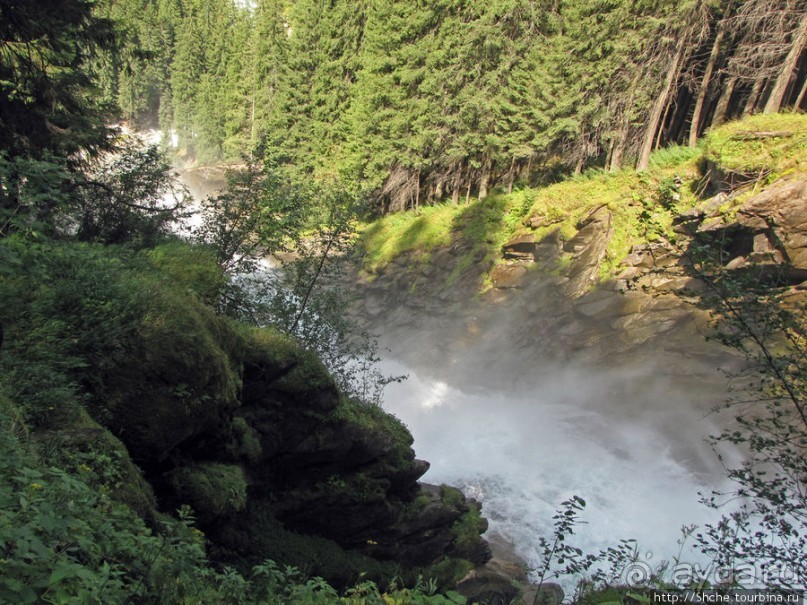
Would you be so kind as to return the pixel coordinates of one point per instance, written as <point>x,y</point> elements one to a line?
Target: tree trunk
<point>484,180</point>
<point>675,129</point>
<point>658,108</point>
<point>438,189</point>
<point>468,192</point>
<point>782,80</point>
<point>751,103</point>
<point>417,191</point>
<point>252,121</point>
<point>694,129</point>
<point>455,194</point>
<point>610,153</point>
<point>661,125</point>
<point>802,94</point>
<point>511,176</point>
<point>624,127</point>
<point>723,102</point>
<point>619,149</point>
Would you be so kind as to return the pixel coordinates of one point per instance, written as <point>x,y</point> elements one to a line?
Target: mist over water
<point>522,432</point>
<point>630,442</point>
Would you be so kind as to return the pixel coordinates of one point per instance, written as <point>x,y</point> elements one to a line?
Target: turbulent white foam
<point>628,443</point>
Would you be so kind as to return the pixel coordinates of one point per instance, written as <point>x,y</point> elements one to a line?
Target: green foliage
<point>259,217</point>
<point>255,217</point>
<point>467,530</point>
<point>125,198</point>
<point>45,87</point>
<point>100,326</point>
<point>32,193</point>
<point>760,147</point>
<point>121,198</point>
<point>484,226</point>
<point>211,489</point>
<point>191,267</point>
<point>62,540</point>
<point>71,523</point>
<point>417,232</point>
<point>642,205</point>
<point>674,156</point>
<point>408,104</point>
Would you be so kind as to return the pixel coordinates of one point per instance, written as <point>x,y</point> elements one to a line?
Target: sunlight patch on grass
<point>774,143</point>
<point>418,231</point>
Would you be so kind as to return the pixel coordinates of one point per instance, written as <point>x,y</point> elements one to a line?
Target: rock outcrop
<point>587,248</point>
<point>249,429</point>
<point>769,230</point>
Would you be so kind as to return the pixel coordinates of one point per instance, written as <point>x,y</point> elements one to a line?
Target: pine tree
<point>305,131</point>
<point>52,122</point>
<point>47,98</point>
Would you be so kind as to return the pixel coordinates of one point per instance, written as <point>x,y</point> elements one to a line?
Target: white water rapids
<point>630,443</point>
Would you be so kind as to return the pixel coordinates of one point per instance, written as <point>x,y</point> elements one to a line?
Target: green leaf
<point>456,597</point>
<point>62,571</point>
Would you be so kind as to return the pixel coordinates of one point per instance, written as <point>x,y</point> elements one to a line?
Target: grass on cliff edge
<point>774,143</point>
<point>632,197</point>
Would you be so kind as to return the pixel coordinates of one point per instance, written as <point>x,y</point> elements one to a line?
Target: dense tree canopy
<point>410,102</point>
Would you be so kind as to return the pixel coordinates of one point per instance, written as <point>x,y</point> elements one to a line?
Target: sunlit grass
<point>773,143</point>
<point>418,231</point>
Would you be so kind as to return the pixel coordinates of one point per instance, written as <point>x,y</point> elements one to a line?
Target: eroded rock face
<point>768,231</point>
<point>522,247</point>
<point>588,249</point>
<point>547,295</point>
<point>510,275</point>
<point>776,223</point>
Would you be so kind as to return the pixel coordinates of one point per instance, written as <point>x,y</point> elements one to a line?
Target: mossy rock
<point>179,378</point>
<point>211,489</point>
<point>100,459</point>
<point>191,267</point>
<point>287,392</point>
<point>244,441</point>
<point>255,534</point>
<point>284,364</point>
